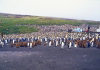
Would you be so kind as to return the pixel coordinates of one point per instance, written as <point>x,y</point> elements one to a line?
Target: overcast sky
<point>74,9</point>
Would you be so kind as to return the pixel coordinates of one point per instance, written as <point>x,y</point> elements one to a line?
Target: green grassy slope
<point>9,24</point>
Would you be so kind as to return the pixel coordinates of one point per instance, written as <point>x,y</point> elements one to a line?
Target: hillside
<point>12,23</point>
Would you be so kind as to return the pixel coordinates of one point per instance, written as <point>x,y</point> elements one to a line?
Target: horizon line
<point>50,17</point>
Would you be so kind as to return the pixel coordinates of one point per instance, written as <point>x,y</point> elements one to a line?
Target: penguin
<point>50,43</point>
<point>30,45</point>
<point>56,43</point>
<point>62,45</point>
<point>70,44</point>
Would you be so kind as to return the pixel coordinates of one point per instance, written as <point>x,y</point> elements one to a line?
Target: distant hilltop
<point>42,17</point>
<point>13,15</point>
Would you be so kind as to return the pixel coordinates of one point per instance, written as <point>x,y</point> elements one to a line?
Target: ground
<point>49,58</point>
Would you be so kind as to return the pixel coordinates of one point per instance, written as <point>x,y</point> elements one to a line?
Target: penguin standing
<point>60,40</point>
<point>70,45</point>
<point>56,43</point>
<point>41,40</point>
<point>6,41</point>
<point>2,43</point>
<point>50,43</point>
<point>13,41</point>
<point>46,39</point>
<point>92,44</point>
<point>75,45</point>
<point>30,45</point>
<point>62,45</point>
